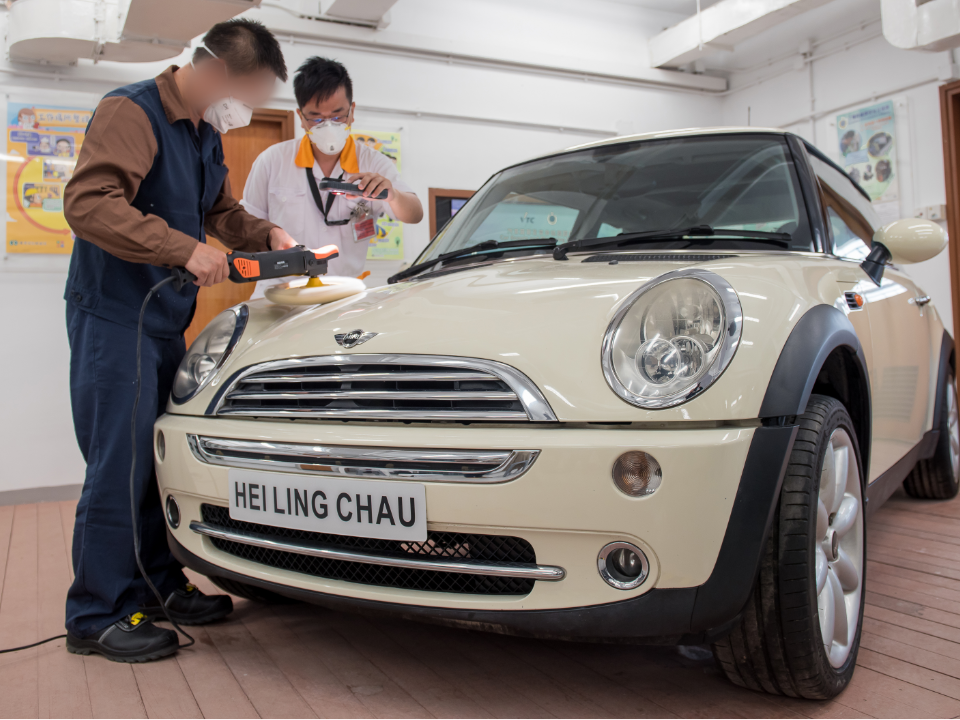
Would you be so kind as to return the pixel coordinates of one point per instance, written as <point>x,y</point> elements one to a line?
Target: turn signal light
<point>637,473</point>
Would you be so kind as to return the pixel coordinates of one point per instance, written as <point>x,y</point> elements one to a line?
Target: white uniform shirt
<point>277,191</point>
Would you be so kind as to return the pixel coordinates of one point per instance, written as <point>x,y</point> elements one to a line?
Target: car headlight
<point>208,352</point>
<point>672,338</point>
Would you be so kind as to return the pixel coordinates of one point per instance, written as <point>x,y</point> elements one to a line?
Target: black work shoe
<point>189,606</point>
<point>133,639</point>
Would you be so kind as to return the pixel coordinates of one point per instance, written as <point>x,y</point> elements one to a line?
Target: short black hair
<point>245,46</point>
<point>320,78</point>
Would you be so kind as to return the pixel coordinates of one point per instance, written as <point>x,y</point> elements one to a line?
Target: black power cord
<point>180,278</point>
<point>27,647</point>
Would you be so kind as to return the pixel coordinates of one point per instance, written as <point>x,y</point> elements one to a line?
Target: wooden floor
<point>302,661</point>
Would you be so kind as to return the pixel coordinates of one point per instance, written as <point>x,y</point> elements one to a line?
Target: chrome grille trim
<point>548,573</point>
<point>359,414</point>
<point>373,395</point>
<point>359,376</point>
<point>407,372</point>
<point>437,465</point>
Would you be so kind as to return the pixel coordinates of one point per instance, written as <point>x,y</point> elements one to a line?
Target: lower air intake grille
<point>439,545</point>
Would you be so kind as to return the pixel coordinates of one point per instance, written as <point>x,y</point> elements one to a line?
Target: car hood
<point>547,319</point>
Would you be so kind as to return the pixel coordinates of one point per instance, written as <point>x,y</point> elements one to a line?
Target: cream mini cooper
<point>642,390</point>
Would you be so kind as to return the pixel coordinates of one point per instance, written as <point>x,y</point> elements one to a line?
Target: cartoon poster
<point>42,148</point>
<point>868,152</point>
<point>387,244</point>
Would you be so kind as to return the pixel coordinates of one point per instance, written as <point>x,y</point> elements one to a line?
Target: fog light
<point>161,445</point>
<point>623,566</point>
<point>173,512</point>
<point>637,473</point>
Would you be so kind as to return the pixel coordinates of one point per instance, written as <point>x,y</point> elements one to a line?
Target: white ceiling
<point>823,22</point>
<point>827,21</point>
<point>680,7</point>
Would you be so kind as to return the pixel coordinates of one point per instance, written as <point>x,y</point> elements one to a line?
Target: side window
<point>846,243</point>
<point>850,215</point>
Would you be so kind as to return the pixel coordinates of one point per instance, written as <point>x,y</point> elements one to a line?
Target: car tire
<point>250,592</point>
<point>776,645</point>
<point>936,478</point>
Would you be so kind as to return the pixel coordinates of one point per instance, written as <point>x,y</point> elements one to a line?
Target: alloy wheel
<point>839,550</point>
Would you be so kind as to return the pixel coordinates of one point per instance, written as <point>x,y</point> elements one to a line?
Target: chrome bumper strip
<point>475,466</point>
<point>534,572</point>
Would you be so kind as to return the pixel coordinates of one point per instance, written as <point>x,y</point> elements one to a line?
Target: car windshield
<point>724,183</point>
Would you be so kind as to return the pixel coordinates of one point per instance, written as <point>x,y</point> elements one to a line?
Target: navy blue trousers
<point>103,373</point>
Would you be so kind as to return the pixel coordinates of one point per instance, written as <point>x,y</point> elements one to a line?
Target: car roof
<point>660,134</point>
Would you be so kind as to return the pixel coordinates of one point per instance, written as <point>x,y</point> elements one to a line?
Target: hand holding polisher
<point>251,267</point>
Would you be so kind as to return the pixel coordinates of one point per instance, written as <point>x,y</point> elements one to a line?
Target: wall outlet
<point>932,212</point>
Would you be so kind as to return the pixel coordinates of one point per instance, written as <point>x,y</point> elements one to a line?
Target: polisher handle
<point>182,277</point>
<point>298,260</point>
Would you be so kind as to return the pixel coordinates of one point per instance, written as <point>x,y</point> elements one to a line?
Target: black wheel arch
<point>948,362</point>
<point>822,355</point>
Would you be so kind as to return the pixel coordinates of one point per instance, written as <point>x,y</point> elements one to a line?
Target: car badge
<point>353,338</point>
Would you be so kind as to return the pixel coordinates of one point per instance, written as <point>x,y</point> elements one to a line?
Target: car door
<point>898,331</point>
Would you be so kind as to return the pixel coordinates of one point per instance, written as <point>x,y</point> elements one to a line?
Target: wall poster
<point>868,152</point>
<point>42,148</point>
<point>387,244</point>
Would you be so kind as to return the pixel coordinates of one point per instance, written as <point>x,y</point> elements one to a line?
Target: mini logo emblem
<point>353,338</point>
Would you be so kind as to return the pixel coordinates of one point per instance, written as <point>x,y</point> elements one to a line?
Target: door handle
<point>922,300</point>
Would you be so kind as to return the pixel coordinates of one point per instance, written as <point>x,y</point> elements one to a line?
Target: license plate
<point>339,506</point>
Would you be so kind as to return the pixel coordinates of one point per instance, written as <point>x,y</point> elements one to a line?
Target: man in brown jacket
<point>149,184</point>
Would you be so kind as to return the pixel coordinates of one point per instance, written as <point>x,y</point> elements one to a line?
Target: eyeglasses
<point>339,119</point>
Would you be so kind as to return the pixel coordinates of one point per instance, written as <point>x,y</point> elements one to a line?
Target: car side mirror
<point>903,242</point>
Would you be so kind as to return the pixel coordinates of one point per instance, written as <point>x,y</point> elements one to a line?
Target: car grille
<point>439,545</point>
<point>385,387</point>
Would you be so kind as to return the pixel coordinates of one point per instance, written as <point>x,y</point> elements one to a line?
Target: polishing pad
<point>304,292</point>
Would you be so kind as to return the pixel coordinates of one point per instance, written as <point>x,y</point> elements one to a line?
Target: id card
<point>364,230</point>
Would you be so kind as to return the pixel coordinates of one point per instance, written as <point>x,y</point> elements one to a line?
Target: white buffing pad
<point>297,293</point>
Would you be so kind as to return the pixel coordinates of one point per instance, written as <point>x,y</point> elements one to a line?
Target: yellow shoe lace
<point>137,618</point>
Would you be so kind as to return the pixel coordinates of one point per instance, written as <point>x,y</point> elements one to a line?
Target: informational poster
<point>42,148</point>
<point>387,243</point>
<point>868,152</point>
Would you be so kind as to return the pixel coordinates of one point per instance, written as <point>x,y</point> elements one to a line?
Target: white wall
<point>36,431</point>
<point>473,119</point>
<point>872,71</point>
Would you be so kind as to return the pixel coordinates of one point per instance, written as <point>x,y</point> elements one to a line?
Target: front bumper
<point>702,530</point>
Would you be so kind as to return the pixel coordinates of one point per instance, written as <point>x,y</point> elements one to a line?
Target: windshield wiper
<point>479,247</point>
<point>560,251</point>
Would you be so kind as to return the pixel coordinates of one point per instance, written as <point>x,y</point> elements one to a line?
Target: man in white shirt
<point>283,184</point>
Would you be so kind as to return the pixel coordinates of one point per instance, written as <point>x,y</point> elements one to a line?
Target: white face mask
<point>330,137</point>
<point>226,113</point>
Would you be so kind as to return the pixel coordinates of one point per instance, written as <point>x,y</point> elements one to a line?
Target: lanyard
<point>315,191</point>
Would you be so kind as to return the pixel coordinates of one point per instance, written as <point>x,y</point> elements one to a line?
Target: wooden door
<point>438,196</point>
<point>950,118</point>
<point>240,148</point>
